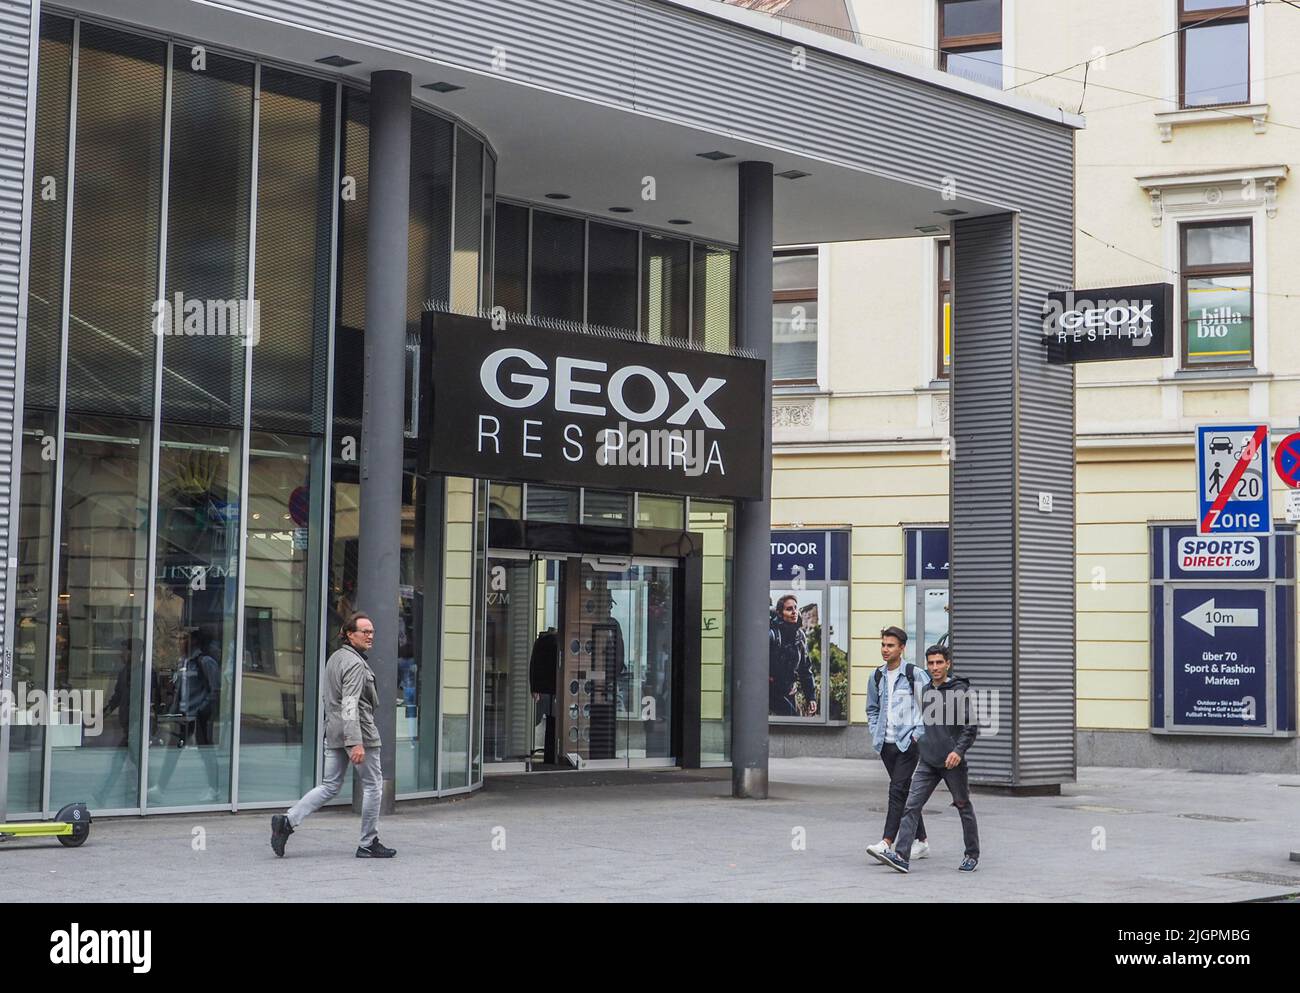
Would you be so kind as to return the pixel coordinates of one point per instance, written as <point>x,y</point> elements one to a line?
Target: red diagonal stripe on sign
<point>1247,457</point>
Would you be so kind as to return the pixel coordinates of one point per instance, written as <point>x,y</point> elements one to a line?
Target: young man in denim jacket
<point>894,716</point>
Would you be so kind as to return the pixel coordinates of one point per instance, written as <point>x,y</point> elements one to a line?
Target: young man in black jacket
<point>948,711</point>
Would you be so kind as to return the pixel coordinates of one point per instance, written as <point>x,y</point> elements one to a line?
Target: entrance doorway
<point>582,661</point>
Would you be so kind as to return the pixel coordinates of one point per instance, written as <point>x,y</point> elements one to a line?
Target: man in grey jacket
<point>351,736</point>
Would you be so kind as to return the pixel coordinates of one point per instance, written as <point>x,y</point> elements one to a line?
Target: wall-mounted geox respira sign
<point>564,407</point>
<point>1112,322</point>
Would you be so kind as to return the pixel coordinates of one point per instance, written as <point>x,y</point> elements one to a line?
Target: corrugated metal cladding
<point>1012,586</point>
<point>16,69</point>
<point>983,417</point>
<point>660,59</point>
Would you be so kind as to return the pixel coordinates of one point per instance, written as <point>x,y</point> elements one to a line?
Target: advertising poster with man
<point>794,653</point>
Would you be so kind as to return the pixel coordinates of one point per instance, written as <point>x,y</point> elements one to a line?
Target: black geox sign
<point>1113,322</point>
<point>570,408</point>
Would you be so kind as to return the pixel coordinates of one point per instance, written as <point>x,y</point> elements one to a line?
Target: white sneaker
<point>920,849</point>
<point>211,796</point>
<point>878,850</point>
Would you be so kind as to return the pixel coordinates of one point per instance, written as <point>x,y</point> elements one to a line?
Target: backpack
<point>909,671</point>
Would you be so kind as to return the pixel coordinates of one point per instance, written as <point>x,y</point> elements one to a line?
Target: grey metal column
<point>749,666</point>
<point>383,416</point>
<point>1012,560</point>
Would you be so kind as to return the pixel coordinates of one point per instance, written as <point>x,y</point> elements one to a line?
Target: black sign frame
<point>1109,323</point>
<point>527,403</point>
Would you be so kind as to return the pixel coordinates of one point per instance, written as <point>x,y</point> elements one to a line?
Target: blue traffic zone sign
<point>1232,480</point>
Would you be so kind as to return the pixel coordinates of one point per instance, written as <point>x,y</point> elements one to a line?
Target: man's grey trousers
<point>336,767</point>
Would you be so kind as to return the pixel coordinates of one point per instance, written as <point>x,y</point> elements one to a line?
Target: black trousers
<point>900,765</point>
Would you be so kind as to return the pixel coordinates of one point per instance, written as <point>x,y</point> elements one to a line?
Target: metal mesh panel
<point>295,174</point>
<point>428,256</point>
<point>611,276</point>
<point>469,223</point>
<point>557,266</point>
<point>116,213</point>
<point>349,353</point>
<point>208,204</point>
<point>665,290</point>
<point>510,270</point>
<point>49,213</point>
<point>713,322</point>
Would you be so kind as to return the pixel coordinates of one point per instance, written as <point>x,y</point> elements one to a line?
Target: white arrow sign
<point>1207,618</point>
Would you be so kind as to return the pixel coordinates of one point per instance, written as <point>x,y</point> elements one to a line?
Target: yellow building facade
<point>1167,170</point>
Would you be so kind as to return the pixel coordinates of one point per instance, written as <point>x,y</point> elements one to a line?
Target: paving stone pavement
<point>1117,835</point>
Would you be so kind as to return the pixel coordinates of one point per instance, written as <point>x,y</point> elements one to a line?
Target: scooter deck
<point>35,829</point>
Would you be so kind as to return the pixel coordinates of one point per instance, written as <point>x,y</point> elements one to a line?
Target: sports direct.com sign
<point>1218,554</point>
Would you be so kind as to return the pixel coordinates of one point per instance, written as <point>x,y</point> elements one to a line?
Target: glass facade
<point>188,532</point>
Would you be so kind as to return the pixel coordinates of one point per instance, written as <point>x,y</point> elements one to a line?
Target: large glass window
<point>292,280</point>
<point>794,317</point>
<point>1213,52</point>
<point>510,274</point>
<point>206,317</point>
<point>115,225</point>
<point>970,40</point>
<point>467,246</point>
<point>715,523</point>
<point>612,276</point>
<point>665,287</point>
<point>713,322</point>
<point>195,608</point>
<point>32,608</point>
<point>1217,280</point>
<point>100,638</point>
<point>458,628</point>
<point>281,620</point>
<point>557,256</point>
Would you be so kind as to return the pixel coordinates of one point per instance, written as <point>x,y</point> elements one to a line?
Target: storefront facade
<point>214,225</point>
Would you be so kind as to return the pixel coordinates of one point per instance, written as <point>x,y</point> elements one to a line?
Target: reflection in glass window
<point>195,605</point>
<point>794,317</point>
<point>1217,281</point>
<point>281,618</point>
<point>99,643</point>
<point>665,287</point>
<point>970,40</point>
<point>1214,52</point>
<point>715,523</point>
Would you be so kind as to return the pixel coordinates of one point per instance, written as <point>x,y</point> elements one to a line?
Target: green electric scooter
<point>71,825</point>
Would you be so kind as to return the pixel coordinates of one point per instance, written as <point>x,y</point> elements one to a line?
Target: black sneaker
<point>968,865</point>
<point>280,831</point>
<point>375,850</point>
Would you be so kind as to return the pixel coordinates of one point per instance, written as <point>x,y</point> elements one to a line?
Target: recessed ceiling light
<point>793,174</point>
<point>679,220</point>
<point>951,212</point>
<point>442,87</point>
<point>930,228</point>
<point>714,156</point>
<point>338,61</point>
<point>558,196</point>
<point>620,210</point>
